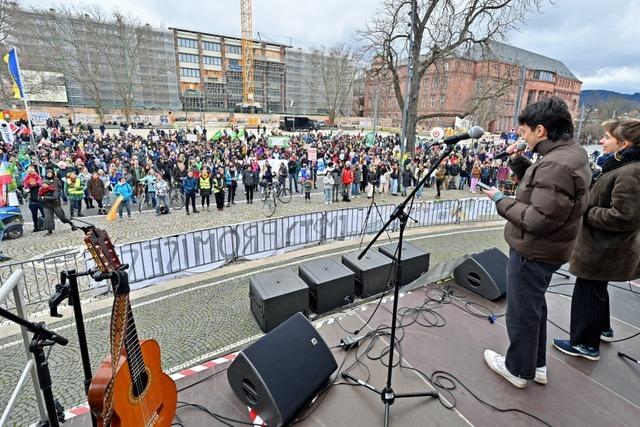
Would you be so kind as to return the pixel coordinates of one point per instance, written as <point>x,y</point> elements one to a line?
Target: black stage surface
<point>579,392</point>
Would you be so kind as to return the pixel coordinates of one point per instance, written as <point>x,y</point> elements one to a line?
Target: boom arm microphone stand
<point>42,337</point>
<point>387,394</point>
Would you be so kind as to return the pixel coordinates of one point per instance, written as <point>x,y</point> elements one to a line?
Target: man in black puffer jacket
<point>543,222</point>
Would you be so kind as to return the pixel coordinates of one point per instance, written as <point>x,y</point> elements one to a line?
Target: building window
<point>543,75</point>
<point>187,43</point>
<point>187,57</point>
<point>189,72</point>
<point>531,96</point>
<point>234,64</point>
<point>211,60</point>
<point>442,99</point>
<point>433,100</point>
<point>212,46</point>
<point>234,49</point>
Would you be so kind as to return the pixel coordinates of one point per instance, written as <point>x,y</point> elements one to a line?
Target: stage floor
<point>579,392</point>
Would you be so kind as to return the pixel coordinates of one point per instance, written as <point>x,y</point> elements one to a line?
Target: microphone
<point>501,155</point>
<point>474,133</point>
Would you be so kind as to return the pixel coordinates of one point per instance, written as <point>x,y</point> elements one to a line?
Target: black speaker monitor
<point>484,273</point>
<point>282,371</point>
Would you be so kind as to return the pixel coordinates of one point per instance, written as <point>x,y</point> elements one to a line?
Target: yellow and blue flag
<point>11,59</point>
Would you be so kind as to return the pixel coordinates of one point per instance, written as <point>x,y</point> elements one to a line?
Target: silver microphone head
<point>476,132</point>
<point>522,146</point>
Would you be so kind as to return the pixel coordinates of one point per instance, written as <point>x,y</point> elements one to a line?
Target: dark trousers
<point>589,312</point>
<point>249,192</point>
<point>231,194</point>
<point>49,212</point>
<point>35,208</point>
<point>190,197</point>
<point>219,200</point>
<point>205,199</point>
<point>438,186</point>
<point>527,282</point>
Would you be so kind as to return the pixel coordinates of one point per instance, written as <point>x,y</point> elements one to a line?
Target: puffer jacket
<point>608,245</point>
<point>545,217</point>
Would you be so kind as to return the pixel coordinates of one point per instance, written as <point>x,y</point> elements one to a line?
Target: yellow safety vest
<point>205,183</point>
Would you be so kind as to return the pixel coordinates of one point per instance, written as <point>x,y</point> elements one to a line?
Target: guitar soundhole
<point>140,384</point>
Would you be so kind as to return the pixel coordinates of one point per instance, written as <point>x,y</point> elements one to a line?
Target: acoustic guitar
<point>133,392</point>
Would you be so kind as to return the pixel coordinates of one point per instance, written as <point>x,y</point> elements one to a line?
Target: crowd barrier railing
<point>203,250</point>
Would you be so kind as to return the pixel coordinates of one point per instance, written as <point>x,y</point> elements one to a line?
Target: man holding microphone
<point>542,223</point>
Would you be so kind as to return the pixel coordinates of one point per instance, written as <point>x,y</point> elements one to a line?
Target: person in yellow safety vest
<point>205,184</point>
<point>218,189</point>
<point>75,193</point>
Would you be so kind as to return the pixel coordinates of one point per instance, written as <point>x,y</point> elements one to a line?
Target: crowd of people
<point>83,168</point>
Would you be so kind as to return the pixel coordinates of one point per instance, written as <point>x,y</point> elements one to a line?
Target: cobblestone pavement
<point>201,321</point>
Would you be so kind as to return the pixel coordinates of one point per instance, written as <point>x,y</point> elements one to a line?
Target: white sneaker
<point>541,375</point>
<point>496,363</point>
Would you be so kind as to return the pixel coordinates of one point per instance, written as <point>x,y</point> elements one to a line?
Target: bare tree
<point>68,36</point>
<point>441,29</point>
<point>338,68</point>
<point>96,49</point>
<point>123,56</point>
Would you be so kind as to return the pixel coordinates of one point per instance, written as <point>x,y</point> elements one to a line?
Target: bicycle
<point>269,203</point>
<point>283,194</point>
<point>176,197</point>
<point>145,201</point>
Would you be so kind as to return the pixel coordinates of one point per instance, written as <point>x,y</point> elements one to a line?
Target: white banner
<point>158,259</point>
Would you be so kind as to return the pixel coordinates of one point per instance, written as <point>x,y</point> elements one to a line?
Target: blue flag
<point>11,59</point>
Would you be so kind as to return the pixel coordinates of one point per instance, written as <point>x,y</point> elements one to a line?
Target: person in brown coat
<point>608,245</point>
<point>96,191</point>
<point>542,223</point>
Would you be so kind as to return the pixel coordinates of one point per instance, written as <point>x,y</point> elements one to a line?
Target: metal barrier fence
<point>12,285</point>
<point>203,250</point>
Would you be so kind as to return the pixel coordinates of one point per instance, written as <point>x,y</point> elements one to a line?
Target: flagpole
<point>25,98</point>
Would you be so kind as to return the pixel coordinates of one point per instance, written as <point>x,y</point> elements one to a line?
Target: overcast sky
<point>599,40</point>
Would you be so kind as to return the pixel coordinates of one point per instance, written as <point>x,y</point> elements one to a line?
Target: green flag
<point>241,134</point>
<point>216,136</point>
<point>370,139</point>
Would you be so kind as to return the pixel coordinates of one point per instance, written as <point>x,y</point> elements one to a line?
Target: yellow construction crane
<point>248,83</point>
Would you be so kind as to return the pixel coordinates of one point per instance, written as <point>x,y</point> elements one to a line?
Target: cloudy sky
<point>598,40</point>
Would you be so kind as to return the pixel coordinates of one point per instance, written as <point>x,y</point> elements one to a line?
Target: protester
<point>32,182</point>
<point>205,185</point>
<point>123,189</point>
<point>50,192</point>
<point>190,188</point>
<point>542,224</point>
<point>607,248</point>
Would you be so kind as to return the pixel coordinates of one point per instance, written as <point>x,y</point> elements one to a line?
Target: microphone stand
<point>387,394</point>
<point>42,337</point>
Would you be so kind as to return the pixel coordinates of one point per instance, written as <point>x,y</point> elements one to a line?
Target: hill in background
<point>596,97</point>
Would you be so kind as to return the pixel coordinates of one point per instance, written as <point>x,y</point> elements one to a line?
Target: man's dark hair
<point>553,114</point>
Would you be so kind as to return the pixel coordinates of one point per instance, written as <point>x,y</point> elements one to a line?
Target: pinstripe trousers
<point>589,312</point>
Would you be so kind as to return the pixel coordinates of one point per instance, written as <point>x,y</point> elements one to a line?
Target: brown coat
<point>96,188</point>
<point>608,245</point>
<point>544,218</point>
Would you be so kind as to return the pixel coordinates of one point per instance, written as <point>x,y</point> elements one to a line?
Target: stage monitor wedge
<point>281,372</point>
<point>484,273</point>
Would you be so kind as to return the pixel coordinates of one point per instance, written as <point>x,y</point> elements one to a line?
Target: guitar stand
<point>42,337</point>
<point>70,290</point>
